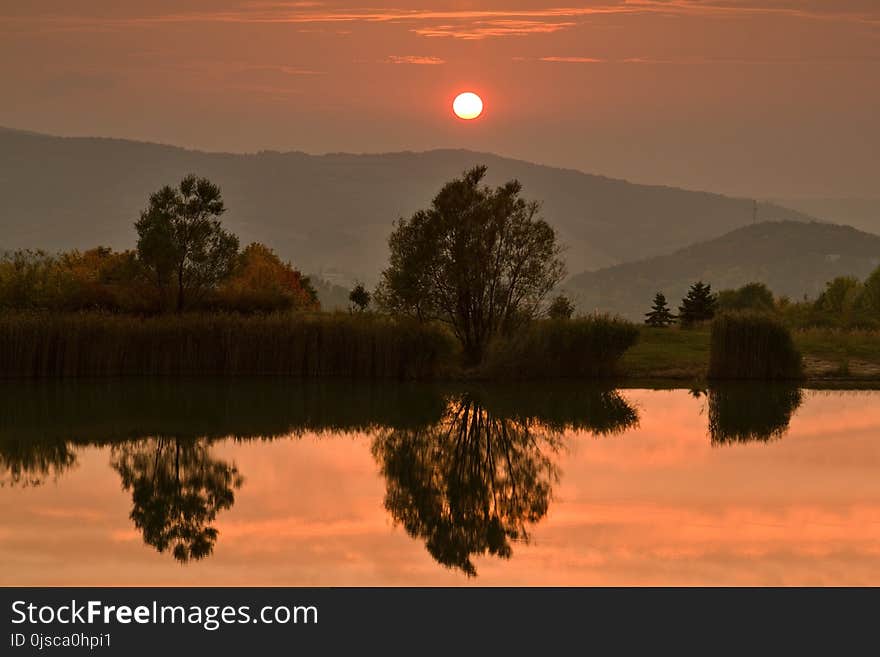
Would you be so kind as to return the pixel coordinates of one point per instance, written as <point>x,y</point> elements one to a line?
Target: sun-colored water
<point>643,487</point>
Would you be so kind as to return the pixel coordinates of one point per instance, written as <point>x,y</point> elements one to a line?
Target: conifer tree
<point>660,316</point>
<point>698,305</point>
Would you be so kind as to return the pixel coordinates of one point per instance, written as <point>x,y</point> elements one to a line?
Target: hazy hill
<point>862,213</point>
<point>331,214</point>
<point>792,258</point>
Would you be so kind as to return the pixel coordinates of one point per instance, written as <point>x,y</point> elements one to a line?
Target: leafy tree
<point>96,279</point>
<point>840,295</point>
<point>698,305</point>
<point>479,259</point>
<point>870,297</point>
<point>260,280</point>
<point>181,240</point>
<point>660,315</point>
<point>753,296</point>
<point>560,308</point>
<point>359,298</point>
<point>177,490</point>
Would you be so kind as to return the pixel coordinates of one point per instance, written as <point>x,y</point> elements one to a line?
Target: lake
<point>280,482</point>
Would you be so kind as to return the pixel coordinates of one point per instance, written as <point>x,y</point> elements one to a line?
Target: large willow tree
<point>480,259</point>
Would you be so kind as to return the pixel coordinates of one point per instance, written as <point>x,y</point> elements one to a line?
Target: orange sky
<point>655,505</point>
<point>757,97</point>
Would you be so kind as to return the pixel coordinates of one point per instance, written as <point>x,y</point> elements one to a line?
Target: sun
<point>467,105</point>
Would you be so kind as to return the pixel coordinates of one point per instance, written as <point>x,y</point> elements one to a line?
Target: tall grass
<point>752,346</point>
<point>310,346</point>
<point>586,347</point>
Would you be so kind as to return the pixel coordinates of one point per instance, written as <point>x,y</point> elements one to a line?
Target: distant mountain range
<point>792,258</point>
<point>331,214</point>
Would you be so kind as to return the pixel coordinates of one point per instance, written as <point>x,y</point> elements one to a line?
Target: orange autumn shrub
<point>262,282</point>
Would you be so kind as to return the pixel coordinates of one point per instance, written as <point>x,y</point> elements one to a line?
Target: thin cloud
<point>571,60</point>
<point>277,68</point>
<point>459,24</point>
<point>488,29</point>
<point>420,60</point>
<point>555,59</point>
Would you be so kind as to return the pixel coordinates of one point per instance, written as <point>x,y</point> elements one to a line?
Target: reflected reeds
<point>741,413</point>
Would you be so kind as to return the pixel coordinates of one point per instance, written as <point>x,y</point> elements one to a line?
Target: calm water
<point>278,482</point>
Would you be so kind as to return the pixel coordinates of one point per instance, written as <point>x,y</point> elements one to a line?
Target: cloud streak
<point>458,24</point>
<point>495,28</point>
<point>558,59</point>
<point>420,60</point>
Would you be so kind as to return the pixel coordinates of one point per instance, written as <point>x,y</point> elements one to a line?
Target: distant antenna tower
<point>754,212</point>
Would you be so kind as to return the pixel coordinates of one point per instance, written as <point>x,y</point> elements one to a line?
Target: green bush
<point>752,346</point>
<point>314,345</point>
<point>585,347</point>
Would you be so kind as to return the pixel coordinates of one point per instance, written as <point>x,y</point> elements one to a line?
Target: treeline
<point>464,290</point>
<point>102,279</point>
<point>184,260</point>
<point>846,303</point>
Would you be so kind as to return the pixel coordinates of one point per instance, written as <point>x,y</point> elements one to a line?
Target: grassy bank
<point>299,345</point>
<point>828,354</point>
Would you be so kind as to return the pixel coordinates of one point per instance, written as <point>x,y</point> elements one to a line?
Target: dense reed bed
<point>752,346</point>
<point>289,344</point>
<point>587,347</point>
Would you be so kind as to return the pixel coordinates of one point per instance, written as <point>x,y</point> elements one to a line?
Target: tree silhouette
<point>560,308</point>
<point>469,485</point>
<point>181,240</point>
<point>698,305</point>
<point>660,316</point>
<point>752,296</point>
<point>30,463</point>
<point>359,298</point>
<point>177,490</point>
<point>479,259</point>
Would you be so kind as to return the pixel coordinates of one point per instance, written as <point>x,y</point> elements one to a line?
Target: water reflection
<point>467,472</point>
<point>741,413</point>
<point>29,463</point>
<point>468,484</point>
<point>177,490</point>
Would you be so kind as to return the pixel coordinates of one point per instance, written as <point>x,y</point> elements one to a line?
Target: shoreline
<point>642,382</point>
<point>374,348</point>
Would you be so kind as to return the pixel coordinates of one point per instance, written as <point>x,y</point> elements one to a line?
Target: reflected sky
<point>661,502</point>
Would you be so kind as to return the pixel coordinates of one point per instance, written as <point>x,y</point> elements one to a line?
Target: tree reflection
<point>468,485</point>
<point>27,463</point>
<point>177,490</point>
<point>467,472</point>
<point>750,412</point>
